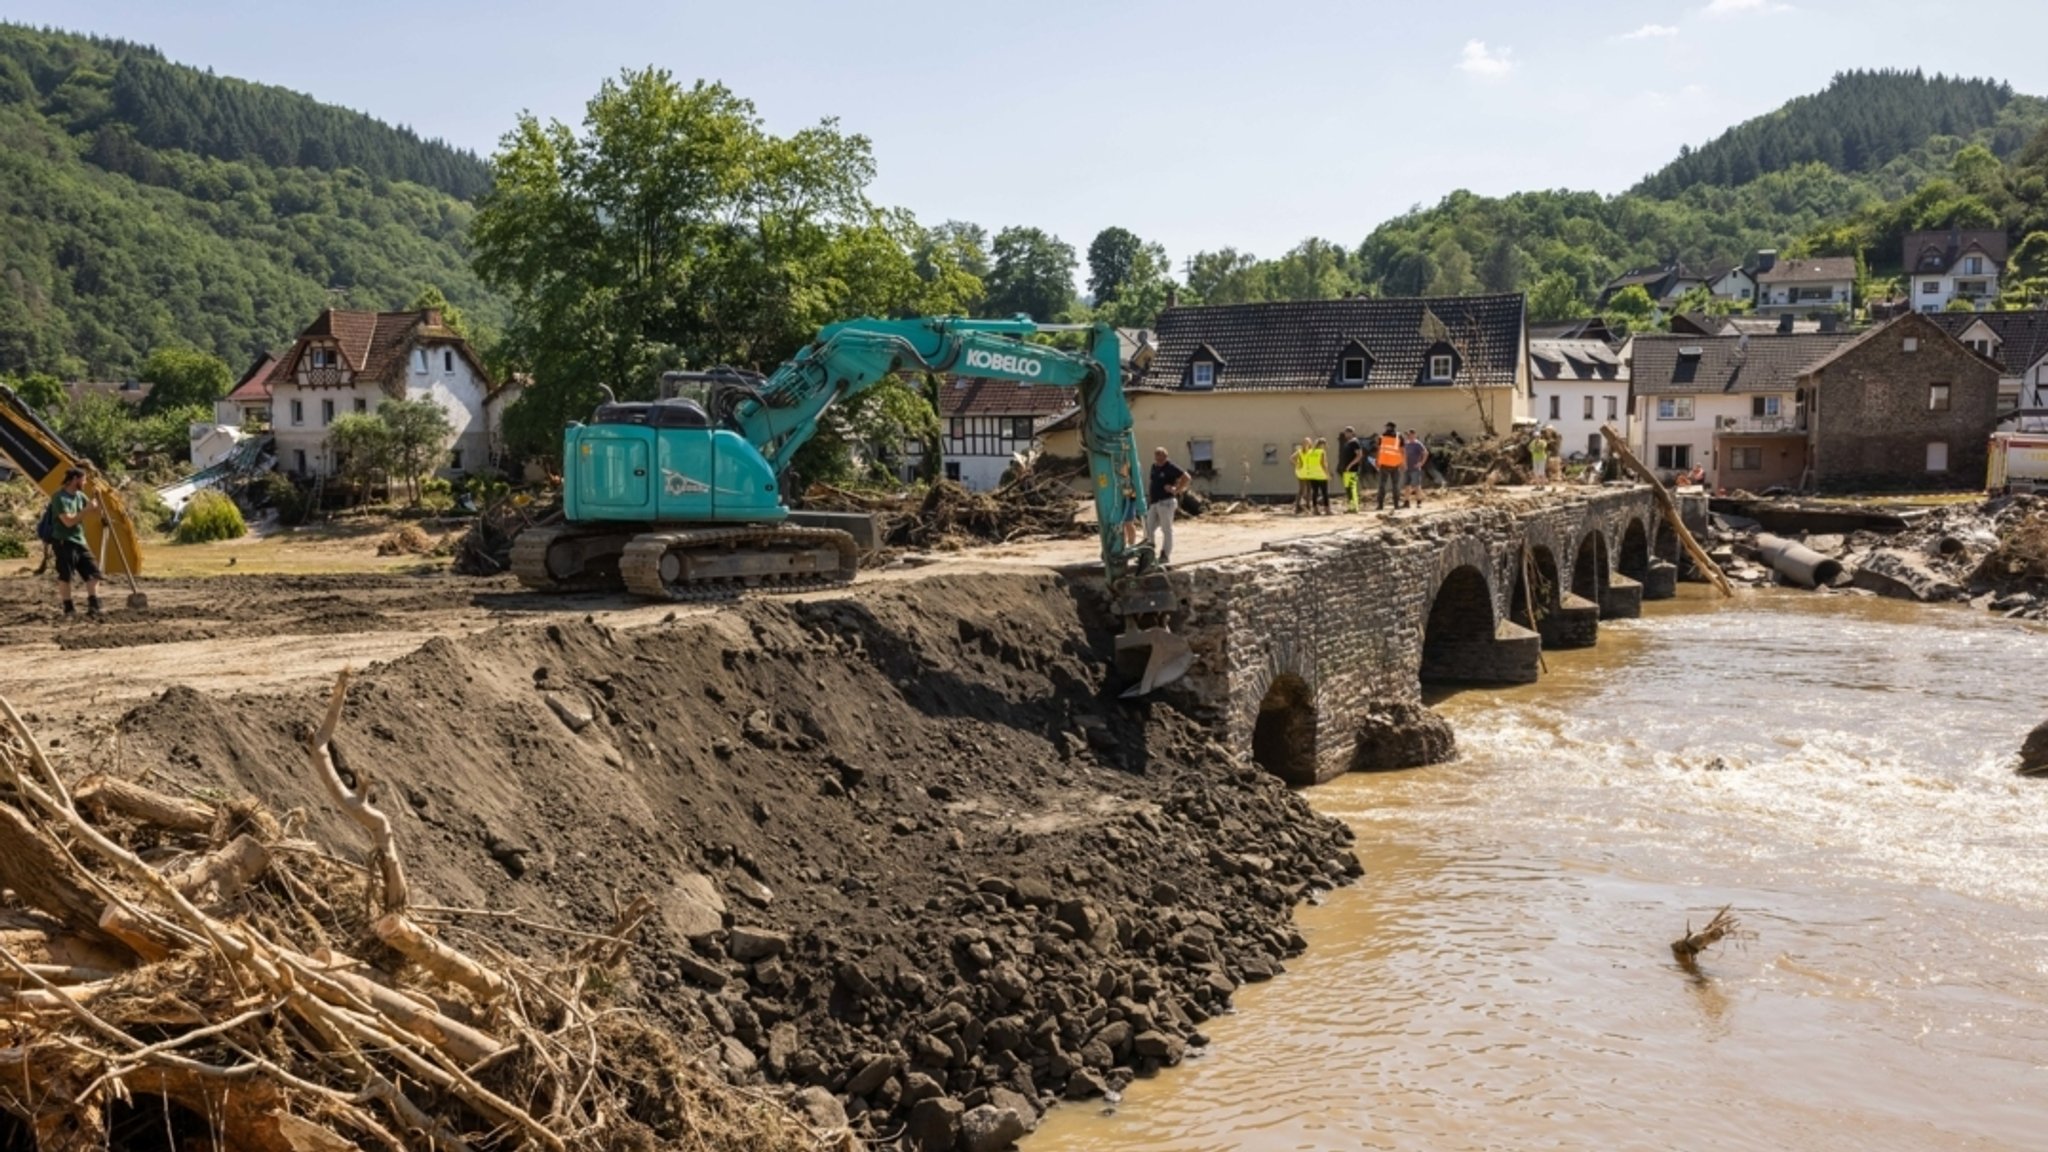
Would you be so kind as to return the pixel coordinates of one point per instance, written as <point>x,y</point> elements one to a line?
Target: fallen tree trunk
<point>101,794</point>
<point>1664,502</point>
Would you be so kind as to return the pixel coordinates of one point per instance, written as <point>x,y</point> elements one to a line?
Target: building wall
<point>1579,434</point>
<point>457,390</point>
<point>1252,435</point>
<point>1781,460</point>
<point>1946,287</point>
<point>1870,422</point>
<point>1735,285</point>
<point>1778,297</point>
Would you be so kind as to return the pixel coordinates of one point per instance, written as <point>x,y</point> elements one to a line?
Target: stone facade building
<point>1904,405</point>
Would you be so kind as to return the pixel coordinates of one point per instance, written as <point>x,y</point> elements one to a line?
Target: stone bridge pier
<point>1299,647</point>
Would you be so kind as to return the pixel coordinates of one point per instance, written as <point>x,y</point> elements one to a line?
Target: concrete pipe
<point>1796,562</point>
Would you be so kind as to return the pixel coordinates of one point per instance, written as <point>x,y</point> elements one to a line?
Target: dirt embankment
<point>908,856</point>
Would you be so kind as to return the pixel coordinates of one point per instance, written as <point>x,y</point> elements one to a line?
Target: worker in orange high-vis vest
<point>1389,460</point>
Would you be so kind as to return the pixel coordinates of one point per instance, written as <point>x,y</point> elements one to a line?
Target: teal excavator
<point>680,498</point>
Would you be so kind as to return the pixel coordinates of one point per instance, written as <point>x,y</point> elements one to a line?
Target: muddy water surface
<point>1837,770</point>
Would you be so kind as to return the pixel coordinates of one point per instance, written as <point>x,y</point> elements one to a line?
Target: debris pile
<point>1993,554</point>
<point>410,540</point>
<point>1038,503</point>
<point>183,974</point>
<point>1500,460</point>
<point>486,549</point>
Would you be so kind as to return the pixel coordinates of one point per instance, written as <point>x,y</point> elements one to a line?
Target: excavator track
<point>720,563</point>
<point>531,559</point>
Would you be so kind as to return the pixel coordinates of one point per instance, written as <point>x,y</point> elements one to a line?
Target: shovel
<point>1167,658</point>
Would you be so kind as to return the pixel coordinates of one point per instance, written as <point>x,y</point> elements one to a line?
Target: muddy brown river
<point>1837,770</point>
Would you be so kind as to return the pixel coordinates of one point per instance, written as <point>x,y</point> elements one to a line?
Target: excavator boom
<point>34,449</point>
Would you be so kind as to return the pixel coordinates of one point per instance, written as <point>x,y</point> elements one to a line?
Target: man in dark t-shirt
<point>1168,481</point>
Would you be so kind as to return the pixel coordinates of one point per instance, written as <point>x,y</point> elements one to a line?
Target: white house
<point>348,362</point>
<point>2018,341</point>
<point>984,425</point>
<point>1954,265</point>
<point>1735,284</point>
<point>247,404</point>
<point>1815,284</point>
<point>1575,387</point>
<point>1728,404</point>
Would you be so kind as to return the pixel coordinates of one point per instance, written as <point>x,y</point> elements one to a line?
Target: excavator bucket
<point>1165,657</point>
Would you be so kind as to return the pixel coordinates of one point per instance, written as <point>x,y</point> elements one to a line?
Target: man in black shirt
<point>1169,480</point>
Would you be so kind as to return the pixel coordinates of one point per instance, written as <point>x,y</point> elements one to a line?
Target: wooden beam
<point>1670,508</point>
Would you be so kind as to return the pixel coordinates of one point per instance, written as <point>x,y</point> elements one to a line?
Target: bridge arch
<point>1633,558</point>
<point>1284,735</point>
<point>1589,567</point>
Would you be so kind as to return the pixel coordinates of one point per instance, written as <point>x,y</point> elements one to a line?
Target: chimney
<point>1829,321</point>
<point>1766,259</point>
<point>1785,322</point>
<point>1172,295</point>
<point>433,318</point>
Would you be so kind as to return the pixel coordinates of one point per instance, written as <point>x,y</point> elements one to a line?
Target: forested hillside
<point>148,203</point>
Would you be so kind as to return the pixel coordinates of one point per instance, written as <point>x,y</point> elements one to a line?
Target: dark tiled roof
<point>1575,360</point>
<point>1726,364</point>
<point>1300,344</point>
<point>973,396</point>
<point>1933,253</point>
<point>1584,328</point>
<point>1912,323</point>
<point>2022,336</point>
<point>1661,283</point>
<point>1812,270</point>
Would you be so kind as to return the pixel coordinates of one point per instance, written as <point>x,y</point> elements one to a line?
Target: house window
<point>1974,266</point>
<point>1930,287</point>
<point>419,360</point>
<point>1763,407</point>
<point>1674,408</point>
<point>1354,370</point>
<point>362,404</point>
<point>1588,408</point>
<point>1746,459</point>
<point>1937,398</point>
<point>326,413</point>
<point>1020,427</point>
<point>953,471</point>
<point>1555,403</point>
<point>956,428</point>
<point>1910,344</point>
<point>448,360</point>
<point>1593,446</point>
<point>1440,366</point>
<point>323,358</point>
<point>1201,374</point>
<point>1614,407</point>
<point>1937,456</point>
<point>455,460</point>
<point>1202,457</point>
<point>299,417</point>
<point>299,461</point>
<point>1672,457</point>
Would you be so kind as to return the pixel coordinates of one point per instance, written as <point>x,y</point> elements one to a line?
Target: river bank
<point>907,859</point>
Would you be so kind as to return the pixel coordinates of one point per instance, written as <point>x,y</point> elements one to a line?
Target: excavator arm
<point>34,449</point>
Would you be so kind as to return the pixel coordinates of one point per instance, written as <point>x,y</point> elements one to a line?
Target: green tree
<point>362,444</point>
<point>1111,259</point>
<point>430,296</point>
<point>97,426</point>
<point>1452,271</point>
<point>418,433</point>
<point>183,378</point>
<point>953,261</point>
<point>1033,274</point>
<point>1555,297</point>
<point>1146,287</point>
<point>1227,276</point>
<point>41,391</point>
<point>1631,310</point>
<point>672,229</point>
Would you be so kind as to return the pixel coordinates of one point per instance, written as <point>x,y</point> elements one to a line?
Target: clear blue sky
<point>1199,124</point>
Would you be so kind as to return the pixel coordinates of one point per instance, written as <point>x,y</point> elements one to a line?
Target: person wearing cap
<point>68,509</point>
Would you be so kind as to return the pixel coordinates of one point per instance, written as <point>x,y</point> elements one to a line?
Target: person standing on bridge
<point>1414,455</point>
<point>68,509</point>
<point>1319,477</point>
<point>1163,491</point>
<point>1301,500</point>
<point>1350,457</point>
<point>1389,459</point>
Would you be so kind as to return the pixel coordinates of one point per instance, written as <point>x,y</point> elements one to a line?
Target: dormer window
<point>1353,371</point>
<point>1354,366</point>
<point>1201,374</point>
<point>323,358</point>
<point>1440,366</point>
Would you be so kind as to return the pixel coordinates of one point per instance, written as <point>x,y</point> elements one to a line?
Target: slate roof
<point>1299,344</point>
<point>1662,283</point>
<point>2022,336</point>
<point>1575,360</point>
<point>975,396</point>
<point>1725,364</point>
<point>1933,253</point>
<point>1812,270</point>
<point>1584,328</point>
<point>373,345</point>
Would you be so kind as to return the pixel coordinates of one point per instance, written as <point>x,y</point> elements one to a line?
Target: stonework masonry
<point>1295,645</point>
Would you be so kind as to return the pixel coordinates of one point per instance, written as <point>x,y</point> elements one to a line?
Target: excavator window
<point>659,414</point>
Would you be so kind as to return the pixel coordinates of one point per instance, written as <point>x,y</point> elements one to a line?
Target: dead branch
<point>102,795</point>
<point>355,807</point>
<point>411,941</point>
<point>1688,947</point>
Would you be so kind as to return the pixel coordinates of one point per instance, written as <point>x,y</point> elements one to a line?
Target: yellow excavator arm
<point>35,450</point>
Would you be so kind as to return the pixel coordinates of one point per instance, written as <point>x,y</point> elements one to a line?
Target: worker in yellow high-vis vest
<point>1319,477</point>
<point>1308,445</point>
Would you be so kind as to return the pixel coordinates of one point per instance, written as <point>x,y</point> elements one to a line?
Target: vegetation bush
<point>436,494</point>
<point>12,545</point>
<point>280,492</point>
<point>211,516</point>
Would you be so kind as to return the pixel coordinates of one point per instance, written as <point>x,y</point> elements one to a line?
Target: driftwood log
<point>1669,508</point>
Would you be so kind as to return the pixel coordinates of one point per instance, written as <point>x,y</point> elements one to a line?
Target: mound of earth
<point>912,863</point>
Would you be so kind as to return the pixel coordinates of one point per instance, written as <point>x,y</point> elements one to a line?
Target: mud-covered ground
<point>906,850</point>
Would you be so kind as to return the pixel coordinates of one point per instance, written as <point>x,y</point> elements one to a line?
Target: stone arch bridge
<point>1295,646</point>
